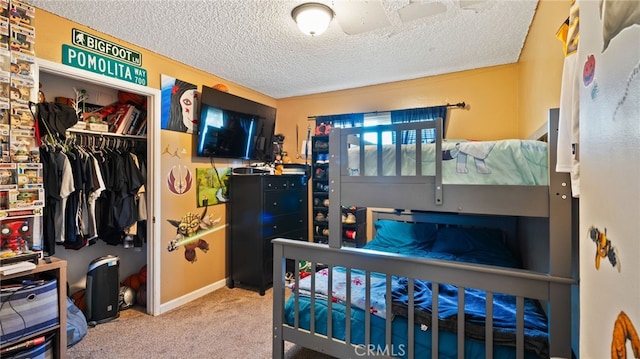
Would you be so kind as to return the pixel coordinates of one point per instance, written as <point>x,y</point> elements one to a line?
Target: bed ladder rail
<point>357,136</point>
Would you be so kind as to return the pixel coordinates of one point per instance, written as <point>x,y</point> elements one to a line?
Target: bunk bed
<point>403,279</point>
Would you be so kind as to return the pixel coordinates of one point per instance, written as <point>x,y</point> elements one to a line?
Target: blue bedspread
<point>504,307</point>
<point>399,332</point>
<point>452,244</point>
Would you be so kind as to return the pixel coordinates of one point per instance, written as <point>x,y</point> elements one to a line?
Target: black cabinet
<point>353,218</point>
<point>263,207</point>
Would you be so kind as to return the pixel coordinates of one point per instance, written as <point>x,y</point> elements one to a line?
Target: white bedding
<point>505,162</point>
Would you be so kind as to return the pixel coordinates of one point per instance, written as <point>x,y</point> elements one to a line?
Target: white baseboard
<point>175,303</point>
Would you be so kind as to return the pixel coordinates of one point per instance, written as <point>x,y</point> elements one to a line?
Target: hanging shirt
<point>569,121</point>
<point>98,187</point>
<point>51,180</point>
<point>66,188</point>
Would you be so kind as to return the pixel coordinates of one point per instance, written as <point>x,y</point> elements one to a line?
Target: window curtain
<point>342,121</point>
<point>416,115</point>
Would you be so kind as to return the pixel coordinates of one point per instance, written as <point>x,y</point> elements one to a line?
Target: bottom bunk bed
<point>483,296</point>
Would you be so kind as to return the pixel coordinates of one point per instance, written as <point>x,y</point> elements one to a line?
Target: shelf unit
<point>320,187</point>
<point>56,268</point>
<point>353,229</point>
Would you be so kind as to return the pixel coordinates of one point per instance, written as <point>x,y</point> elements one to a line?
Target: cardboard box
<point>30,175</point>
<point>23,198</point>
<point>100,127</point>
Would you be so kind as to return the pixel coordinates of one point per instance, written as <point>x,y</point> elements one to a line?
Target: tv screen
<point>234,127</point>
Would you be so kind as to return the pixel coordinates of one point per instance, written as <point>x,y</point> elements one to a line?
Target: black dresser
<point>263,207</point>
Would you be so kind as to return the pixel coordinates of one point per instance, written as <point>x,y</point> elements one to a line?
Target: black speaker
<point>103,289</point>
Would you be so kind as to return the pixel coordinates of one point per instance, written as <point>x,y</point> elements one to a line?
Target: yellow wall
<point>509,101</point>
<point>540,66</point>
<point>490,93</point>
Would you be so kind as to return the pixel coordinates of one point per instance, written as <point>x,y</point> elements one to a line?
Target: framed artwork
<point>212,185</point>
<point>179,107</point>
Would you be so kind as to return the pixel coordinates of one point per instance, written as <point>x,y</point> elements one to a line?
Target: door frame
<point>153,161</point>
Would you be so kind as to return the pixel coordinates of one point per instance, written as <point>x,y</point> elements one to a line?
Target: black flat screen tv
<point>234,127</point>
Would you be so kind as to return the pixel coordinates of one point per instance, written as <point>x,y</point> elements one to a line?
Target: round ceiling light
<point>312,18</point>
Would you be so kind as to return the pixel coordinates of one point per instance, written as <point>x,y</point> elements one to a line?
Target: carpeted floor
<point>228,323</point>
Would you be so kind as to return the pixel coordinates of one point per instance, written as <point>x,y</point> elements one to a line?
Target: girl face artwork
<point>187,102</point>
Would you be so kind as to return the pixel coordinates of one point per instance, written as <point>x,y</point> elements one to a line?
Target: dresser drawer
<point>276,225</point>
<point>275,183</point>
<point>300,234</point>
<point>281,202</point>
<point>279,183</point>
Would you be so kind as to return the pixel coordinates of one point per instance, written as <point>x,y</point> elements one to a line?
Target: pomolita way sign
<point>87,60</point>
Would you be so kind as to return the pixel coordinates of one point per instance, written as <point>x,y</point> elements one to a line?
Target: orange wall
<point>540,66</point>
<point>491,94</point>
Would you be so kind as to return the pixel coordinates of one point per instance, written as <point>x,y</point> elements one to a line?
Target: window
<point>389,117</point>
<point>375,119</point>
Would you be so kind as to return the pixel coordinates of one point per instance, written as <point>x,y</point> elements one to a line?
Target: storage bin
<point>40,351</point>
<point>28,309</point>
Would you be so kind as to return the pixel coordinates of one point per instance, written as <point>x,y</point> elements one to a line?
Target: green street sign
<point>99,64</point>
<point>106,48</point>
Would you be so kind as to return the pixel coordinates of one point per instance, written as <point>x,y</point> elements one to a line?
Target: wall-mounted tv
<point>234,127</point>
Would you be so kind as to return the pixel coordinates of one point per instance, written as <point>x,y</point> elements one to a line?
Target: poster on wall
<point>212,185</point>
<point>179,110</point>
<point>191,229</point>
<point>179,179</point>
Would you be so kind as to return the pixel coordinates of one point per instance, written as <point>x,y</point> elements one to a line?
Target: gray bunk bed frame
<point>408,197</point>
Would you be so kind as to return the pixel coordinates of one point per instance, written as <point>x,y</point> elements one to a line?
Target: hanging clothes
<point>92,193</point>
<point>568,152</point>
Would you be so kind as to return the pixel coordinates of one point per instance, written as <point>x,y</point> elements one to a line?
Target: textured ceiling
<point>256,44</point>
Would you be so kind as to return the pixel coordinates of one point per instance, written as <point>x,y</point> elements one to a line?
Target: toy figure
<point>5,177</point>
<point>623,329</point>
<point>15,45</point>
<point>604,248</point>
<point>24,68</point>
<point>14,235</point>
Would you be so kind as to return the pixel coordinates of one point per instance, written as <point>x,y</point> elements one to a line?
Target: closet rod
<point>110,134</point>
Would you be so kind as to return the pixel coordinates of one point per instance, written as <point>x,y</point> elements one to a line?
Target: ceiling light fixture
<point>312,18</point>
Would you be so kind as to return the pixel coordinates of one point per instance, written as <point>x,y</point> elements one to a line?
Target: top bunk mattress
<point>503,162</point>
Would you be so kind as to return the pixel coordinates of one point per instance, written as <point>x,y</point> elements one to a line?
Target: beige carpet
<point>228,323</point>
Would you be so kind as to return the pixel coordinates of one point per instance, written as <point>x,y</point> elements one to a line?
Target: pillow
<point>403,235</point>
<point>464,240</point>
